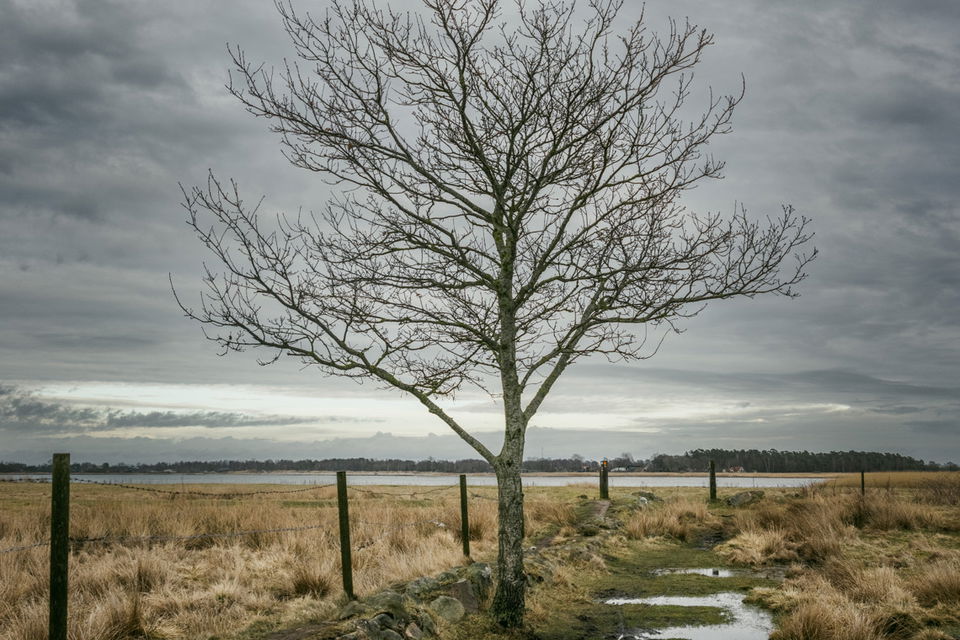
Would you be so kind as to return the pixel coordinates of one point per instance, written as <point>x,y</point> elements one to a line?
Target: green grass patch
<point>599,621</point>
<point>632,573</point>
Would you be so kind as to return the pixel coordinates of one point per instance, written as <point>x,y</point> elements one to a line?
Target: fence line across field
<point>411,494</point>
<point>211,494</point>
<point>25,547</point>
<point>61,543</point>
<point>390,527</point>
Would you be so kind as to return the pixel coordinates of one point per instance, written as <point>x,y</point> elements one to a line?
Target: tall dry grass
<point>844,600</point>
<point>131,587</point>
<point>814,528</point>
<point>848,583</point>
<point>678,518</point>
<point>933,487</point>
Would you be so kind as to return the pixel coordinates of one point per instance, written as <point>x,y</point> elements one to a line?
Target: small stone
<point>481,576</point>
<point>465,592</point>
<point>451,575</point>
<point>351,610</point>
<point>427,624</point>
<point>450,609</point>
<point>385,620</point>
<point>392,603</point>
<point>744,498</point>
<point>421,587</point>
<point>412,632</point>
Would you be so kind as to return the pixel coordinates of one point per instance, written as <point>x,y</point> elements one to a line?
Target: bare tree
<point>510,204</point>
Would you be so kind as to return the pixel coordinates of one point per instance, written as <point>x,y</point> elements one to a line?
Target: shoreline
<point>535,474</point>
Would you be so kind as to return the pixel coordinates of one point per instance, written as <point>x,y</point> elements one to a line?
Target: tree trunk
<point>508,601</point>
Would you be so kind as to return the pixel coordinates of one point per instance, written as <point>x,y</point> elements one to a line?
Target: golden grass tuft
<point>938,583</point>
<point>758,547</point>
<point>677,518</point>
<point>817,620</point>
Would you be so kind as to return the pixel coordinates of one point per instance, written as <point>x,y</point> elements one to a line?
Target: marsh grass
<point>678,518</point>
<point>934,487</point>
<point>883,566</point>
<point>131,586</point>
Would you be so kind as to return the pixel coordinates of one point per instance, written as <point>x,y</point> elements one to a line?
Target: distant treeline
<point>752,460</point>
<point>773,461</point>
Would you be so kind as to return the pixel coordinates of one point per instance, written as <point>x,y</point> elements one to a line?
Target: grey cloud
<point>897,411</point>
<point>938,427</point>
<point>208,419</point>
<point>62,65</point>
<point>827,381</point>
<point>22,412</point>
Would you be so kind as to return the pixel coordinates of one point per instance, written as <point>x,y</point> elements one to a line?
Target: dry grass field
<point>217,586</point>
<point>885,565</point>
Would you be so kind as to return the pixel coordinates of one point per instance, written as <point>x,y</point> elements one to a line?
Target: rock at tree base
<point>744,498</point>
<point>450,609</point>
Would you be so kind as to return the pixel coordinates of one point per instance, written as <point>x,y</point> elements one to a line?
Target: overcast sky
<point>851,115</point>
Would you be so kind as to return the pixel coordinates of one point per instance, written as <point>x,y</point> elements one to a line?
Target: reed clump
<point>879,566</point>
<point>680,518</point>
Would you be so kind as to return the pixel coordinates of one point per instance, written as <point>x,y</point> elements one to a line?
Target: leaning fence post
<point>346,566</point>
<point>713,481</point>
<point>59,544</point>
<point>464,521</point>
<point>604,480</point>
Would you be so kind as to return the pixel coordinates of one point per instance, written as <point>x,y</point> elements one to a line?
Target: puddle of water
<point>713,573</point>
<point>746,622</point>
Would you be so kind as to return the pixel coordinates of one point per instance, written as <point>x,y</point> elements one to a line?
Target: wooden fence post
<point>604,480</point>
<point>464,517</point>
<point>346,566</point>
<point>59,544</point>
<point>863,484</point>
<point>713,481</point>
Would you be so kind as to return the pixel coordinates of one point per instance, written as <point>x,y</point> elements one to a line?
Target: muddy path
<point>656,588</point>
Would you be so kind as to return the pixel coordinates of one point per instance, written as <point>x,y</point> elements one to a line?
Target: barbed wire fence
<point>61,543</point>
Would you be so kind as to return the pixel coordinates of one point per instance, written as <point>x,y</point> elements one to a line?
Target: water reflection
<point>712,572</point>
<point>746,622</point>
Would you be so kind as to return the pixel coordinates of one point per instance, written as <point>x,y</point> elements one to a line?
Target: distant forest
<point>746,460</point>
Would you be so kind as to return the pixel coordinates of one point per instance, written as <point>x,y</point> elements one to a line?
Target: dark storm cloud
<point>22,412</point>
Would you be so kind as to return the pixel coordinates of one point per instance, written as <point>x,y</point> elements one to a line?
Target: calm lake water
<point>418,480</point>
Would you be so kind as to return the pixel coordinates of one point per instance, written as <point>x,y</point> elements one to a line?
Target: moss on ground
<point>631,571</point>
<point>601,620</point>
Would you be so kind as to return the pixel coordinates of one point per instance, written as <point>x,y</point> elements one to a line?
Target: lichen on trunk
<point>508,600</point>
